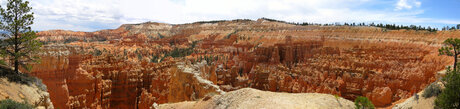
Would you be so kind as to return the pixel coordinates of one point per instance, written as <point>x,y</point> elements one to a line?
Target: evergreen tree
<point>451,48</point>
<point>450,96</point>
<point>20,41</point>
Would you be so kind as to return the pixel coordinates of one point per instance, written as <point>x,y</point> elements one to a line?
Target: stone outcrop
<point>255,99</point>
<point>381,96</point>
<point>30,94</point>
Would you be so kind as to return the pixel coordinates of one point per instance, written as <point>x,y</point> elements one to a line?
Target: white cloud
<point>74,14</point>
<point>91,15</point>
<point>407,4</point>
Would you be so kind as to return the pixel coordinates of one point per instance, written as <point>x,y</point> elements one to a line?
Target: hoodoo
<point>137,65</point>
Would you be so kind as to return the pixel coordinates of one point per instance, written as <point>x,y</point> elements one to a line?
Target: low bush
<point>3,62</point>
<point>10,104</point>
<point>432,90</point>
<point>71,39</point>
<point>40,84</point>
<point>21,78</point>
<point>363,103</point>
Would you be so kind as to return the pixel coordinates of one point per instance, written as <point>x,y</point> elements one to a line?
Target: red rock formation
<point>345,71</point>
<point>129,67</point>
<point>57,66</point>
<point>381,96</point>
<point>353,75</point>
<point>111,82</point>
<point>146,100</point>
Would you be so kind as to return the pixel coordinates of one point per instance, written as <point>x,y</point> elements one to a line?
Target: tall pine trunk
<point>455,62</point>
<point>16,66</point>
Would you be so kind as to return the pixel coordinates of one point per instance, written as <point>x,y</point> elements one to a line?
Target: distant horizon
<point>453,25</point>
<point>92,15</point>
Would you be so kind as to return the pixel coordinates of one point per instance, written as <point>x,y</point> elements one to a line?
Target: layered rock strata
<point>137,65</point>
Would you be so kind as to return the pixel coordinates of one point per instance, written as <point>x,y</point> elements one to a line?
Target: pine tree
<point>19,42</point>
<point>451,48</point>
<point>450,96</point>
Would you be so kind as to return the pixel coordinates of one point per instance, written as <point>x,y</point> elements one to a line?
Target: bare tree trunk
<point>455,56</point>
<point>455,62</point>
<point>16,66</point>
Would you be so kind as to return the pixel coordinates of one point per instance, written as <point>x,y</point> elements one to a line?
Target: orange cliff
<point>110,81</point>
<point>138,65</point>
<point>344,71</point>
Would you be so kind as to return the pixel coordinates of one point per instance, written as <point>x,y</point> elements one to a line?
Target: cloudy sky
<point>92,15</point>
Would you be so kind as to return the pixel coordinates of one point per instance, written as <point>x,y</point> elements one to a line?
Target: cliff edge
<point>34,92</point>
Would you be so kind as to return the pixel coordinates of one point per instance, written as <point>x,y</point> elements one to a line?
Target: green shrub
<point>182,52</point>
<point>10,104</point>
<point>160,36</point>
<point>97,52</point>
<point>3,62</point>
<point>336,97</point>
<point>450,96</point>
<point>71,39</point>
<point>363,103</point>
<point>154,59</point>
<point>40,84</point>
<point>21,78</point>
<point>139,56</point>
<point>228,35</point>
<point>432,90</point>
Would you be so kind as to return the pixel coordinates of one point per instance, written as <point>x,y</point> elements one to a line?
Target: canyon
<point>140,65</point>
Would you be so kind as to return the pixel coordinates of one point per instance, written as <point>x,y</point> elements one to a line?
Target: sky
<point>93,15</point>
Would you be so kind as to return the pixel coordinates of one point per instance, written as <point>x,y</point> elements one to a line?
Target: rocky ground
<point>34,94</point>
<point>412,103</point>
<point>248,98</point>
